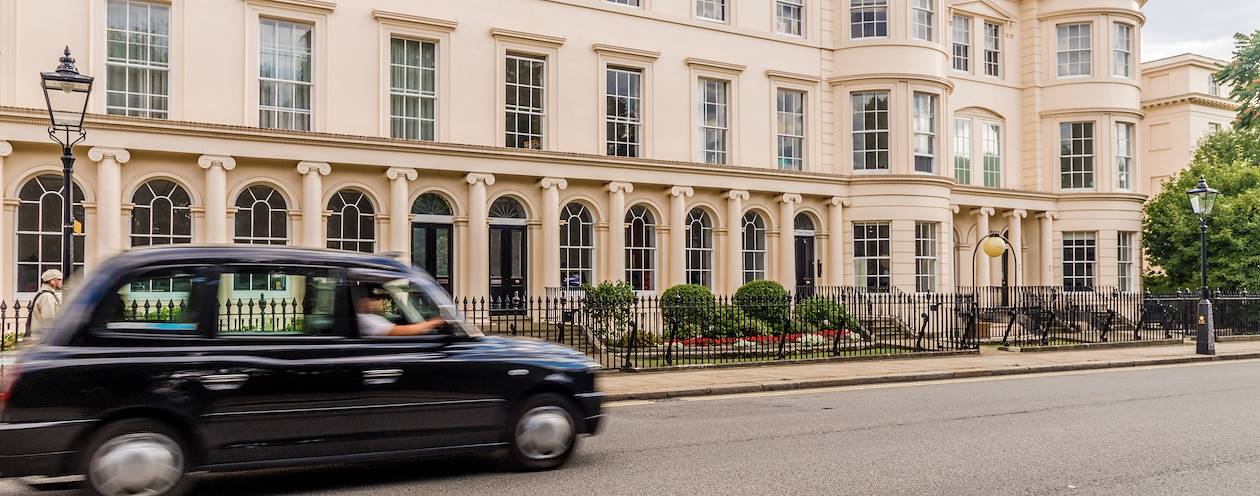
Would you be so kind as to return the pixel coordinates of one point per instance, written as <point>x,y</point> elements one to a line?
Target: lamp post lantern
<point>66,94</point>
<point>1202,201</point>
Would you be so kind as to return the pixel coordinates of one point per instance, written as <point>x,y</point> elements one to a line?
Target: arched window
<point>505,208</point>
<point>641,248</point>
<point>431,204</point>
<point>39,230</point>
<point>161,215</point>
<point>577,246</point>
<point>803,225</point>
<point>699,248</point>
<point>352,225</point>
<point>262,217</point>
<point>754,247</point>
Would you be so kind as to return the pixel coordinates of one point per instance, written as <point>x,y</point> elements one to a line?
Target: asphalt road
<point>1171,430</point>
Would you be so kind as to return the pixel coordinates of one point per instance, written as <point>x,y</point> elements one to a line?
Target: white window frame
<point>419,94</point>
<point>1124,154</point>
<point>699,248</point>
<point>1122,49</point>
<point>547,48</point>
<point>1126,266</point>
<point>151,102</point>
<point>721,125</point>
<point>46,236</point>
<point>646,263</point>
<point>859,22</point>
<point>633,99</point>
<point>626,3</point>
<point>791,127</point>
<point>170,237</point>
<point>1214,88</point>
<point>302,119</point>
<point>787,25</point>
<point>926,111</point>
<point>881,245</point>
<point>1074,42</point>
<point>754,230</point>
<point>991,153</point>
<point>1076,164</point>
<point>720,8</point>
<point>992,49</point>
<point>583,246</point>
<point>882,154</point>
<point>962,149</point>
<point>960,55</point>
<point>926,235</point>
<point>923,20</point>
<point>361,203</point>
<point>537,64</point>
<point>254,238</point>
<point>435,31</point>
<point>1080,260</point>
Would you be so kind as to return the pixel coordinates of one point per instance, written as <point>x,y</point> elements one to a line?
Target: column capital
<point>321,168</point>
<point>620,187</point>
<point>683,191</point>
<point>1047,216</point>
<point>98,153</point>
<point>839,201</point>
<point>553,182</point>
<point>737,194</point>
<point>477,177</point>
<point>5,149</point>
<point>1016,214</point>
<point>983,211</point>
<point>224,161</point>
<point>955,208</point>
<point>401,173</point>
<point>790,198</point>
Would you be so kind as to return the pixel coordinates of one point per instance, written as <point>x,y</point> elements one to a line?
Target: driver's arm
<point>425,327</point>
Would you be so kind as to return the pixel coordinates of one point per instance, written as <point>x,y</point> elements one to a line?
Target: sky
<point>1205,27</point>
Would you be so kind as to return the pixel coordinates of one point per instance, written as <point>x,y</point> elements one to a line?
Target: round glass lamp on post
<point>66,93</point>
<point>1202,201</point>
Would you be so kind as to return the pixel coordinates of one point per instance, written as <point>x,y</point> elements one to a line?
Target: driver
<point>372,322</point>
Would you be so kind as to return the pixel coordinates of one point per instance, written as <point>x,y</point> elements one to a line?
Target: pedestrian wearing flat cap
<point>45,305</point>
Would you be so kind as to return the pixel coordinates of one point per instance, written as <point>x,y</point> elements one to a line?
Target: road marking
<point>891,385</point>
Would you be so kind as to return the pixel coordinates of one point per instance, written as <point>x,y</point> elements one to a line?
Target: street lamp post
<point>1202,201</point>
<point>66,93</point>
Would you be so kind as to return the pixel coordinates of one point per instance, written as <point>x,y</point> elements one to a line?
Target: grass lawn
<point>653,362</point>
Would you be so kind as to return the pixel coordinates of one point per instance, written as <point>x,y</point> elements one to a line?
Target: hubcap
<point>140,464</point>
<point>544,432</point>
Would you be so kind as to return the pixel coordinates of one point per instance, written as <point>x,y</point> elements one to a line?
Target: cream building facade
<point>1182,105</point>
<point>514,146</point>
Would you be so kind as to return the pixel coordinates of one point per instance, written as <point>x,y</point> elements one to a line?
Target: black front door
<point>508,267</point>
<point>432,247</point>
<point>805,264</point>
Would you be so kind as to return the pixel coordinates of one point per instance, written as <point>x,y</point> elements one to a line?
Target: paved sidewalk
<point>990,362</point>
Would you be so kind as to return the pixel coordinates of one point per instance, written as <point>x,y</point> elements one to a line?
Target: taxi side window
<point>161,301</point>
<point>261,301</point>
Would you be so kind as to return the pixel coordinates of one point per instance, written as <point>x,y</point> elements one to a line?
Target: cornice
<point>321,6</point>
<point>792,76</point>
<point>415,20</point>
<point>891,76</point>
<point>647,55</point>
<point>1002,14</point>
<point>521,36</point>
<point>1193,99</point>
<point>1093,110</point>
<point>1136,15</point>
<point>714,65</point>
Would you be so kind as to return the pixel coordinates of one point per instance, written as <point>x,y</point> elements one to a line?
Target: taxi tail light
<point>8,376</point>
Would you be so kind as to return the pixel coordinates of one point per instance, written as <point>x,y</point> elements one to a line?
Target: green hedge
<point>822,313</point>
<point>766,301</point>
<point>608,307</point>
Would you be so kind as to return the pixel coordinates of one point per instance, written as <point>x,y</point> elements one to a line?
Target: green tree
<point>1230,160</point>
<point>1243,76</point>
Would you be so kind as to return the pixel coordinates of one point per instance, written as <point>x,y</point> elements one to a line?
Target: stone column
<point>980,262</point>
<point>1016,237</point>
<point>735,239</point>
<point>312,201</point>
<point>400,211</point>
<point>1046,257</point>
<point>6,224</point>
<point>617,230</point>
<point>109,198</point>
<point>551,229</point>
<point>478,251</point>
<point>835,242</point>
<point>787,240</point>
<point>678,234</point>
<point>216,167</point>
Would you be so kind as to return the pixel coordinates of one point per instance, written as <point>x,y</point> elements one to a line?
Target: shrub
<point>731,322</point>
<point>642,339</point>
<point>822,313</point>
<point>687,305</point>
<point>607,305</point>
<point>766,301</point>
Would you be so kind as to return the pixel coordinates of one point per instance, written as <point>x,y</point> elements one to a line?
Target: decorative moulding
<point>792,76</point>
<point>415,20</point>
<point>520,36</point>
<point>714,65</point>
<point>625,52</point>
<point>321,6</point>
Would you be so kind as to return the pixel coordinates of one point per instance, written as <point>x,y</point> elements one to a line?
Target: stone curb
<point>917,377</point>
<point>784,363</point>
<point>1093,346</point>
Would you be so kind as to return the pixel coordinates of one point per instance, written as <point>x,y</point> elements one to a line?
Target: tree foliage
<point>1230,160</point>
<point>1243,75</point>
